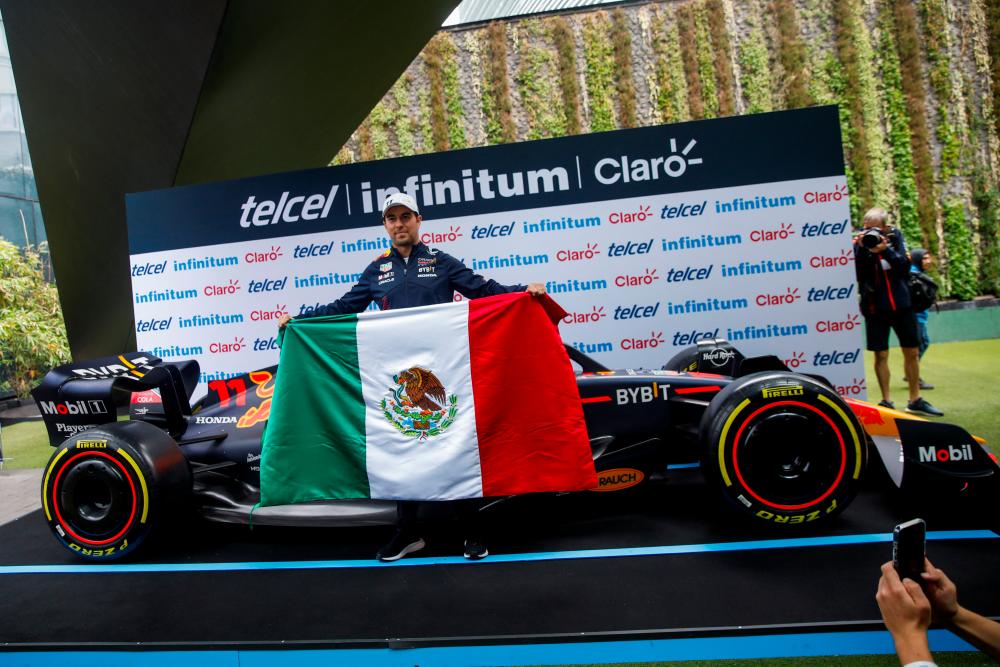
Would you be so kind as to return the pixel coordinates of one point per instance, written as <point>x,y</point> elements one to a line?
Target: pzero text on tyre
<point>783,448</point>
<point>104,488</point>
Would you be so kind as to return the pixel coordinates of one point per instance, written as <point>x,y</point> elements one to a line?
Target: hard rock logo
<point>418,405</point>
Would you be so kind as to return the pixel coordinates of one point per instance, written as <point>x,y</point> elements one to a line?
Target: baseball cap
<point>399,199</point>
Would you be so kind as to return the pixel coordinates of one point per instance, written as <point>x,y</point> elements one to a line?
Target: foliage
<point>379,122</point>
<point>449,75</point>
<point>792,52</point>
<point>986,199</point>
<point>598,54</point>
<point>935,42</point>
<point>911,72</point>
<point>621,42</point>
<point>401,119</point>
<point>434,62</point>
<point>993,25</point>
<point>899,134</point>
<point>756,71</point>
<point>722,55</point>
<point>366,151</point>
<point>32,333</point>
<point>497,107</point>
<point>671,87</point>
<point>562,35</point>
<point>846,90</point>
<point>868,91</point>
<point>962,281</point>
<point>534,81</point>
<point>689,56</point>
<point>706,64</point>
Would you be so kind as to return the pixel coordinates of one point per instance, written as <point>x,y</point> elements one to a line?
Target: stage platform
<point>642,575</point>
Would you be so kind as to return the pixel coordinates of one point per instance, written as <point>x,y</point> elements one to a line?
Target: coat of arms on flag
<point>411,405</point>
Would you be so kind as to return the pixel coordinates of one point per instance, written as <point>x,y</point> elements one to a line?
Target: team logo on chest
<point>418,406</point>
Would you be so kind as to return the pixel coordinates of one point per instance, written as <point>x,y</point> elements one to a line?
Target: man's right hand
<point>283,320</point>
<point>941,592</point>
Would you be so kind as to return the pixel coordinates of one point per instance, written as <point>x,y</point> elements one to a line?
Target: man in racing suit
<point>407,275</point>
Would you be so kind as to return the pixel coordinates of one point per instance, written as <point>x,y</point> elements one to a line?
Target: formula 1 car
<point>782,447</point>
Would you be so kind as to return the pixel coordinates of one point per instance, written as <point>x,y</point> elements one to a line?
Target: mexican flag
<point>459,400</point>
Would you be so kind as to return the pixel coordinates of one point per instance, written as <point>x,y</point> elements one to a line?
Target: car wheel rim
<point>96,499</point>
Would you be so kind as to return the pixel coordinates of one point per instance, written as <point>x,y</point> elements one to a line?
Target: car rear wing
<point>76,397</point>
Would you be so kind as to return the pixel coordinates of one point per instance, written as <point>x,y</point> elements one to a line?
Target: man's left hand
<point>535,289</point>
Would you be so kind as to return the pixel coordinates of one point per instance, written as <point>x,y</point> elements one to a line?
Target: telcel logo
<point>630,248</point>
<point>74,408</point>
<point>450,236</point>
<point>596,315</point>
<point>836,358</point>
<point>823,229</point>
<point>261,344</point>
<point>814,197</point>
<point>830,293</point>
<point>267,212</point>
<point>590,252</point>
<point>635,311</point>
<point>267,285</point>
<point>933,454</point>
<point>491,231</point>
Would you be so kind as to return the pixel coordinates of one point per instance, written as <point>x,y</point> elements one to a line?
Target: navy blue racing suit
<point>428,277</point>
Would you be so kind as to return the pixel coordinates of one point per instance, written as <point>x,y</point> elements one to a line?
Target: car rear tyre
<point>783,448</point>
<point>104,489</point>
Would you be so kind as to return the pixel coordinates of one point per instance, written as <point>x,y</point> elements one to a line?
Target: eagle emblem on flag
<point>418,405</point>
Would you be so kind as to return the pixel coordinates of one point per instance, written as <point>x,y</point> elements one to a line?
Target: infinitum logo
<point>739,204</point>
<point>574,285</point>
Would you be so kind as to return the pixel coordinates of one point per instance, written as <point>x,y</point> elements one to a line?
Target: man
<point>882,268</point>
<point>411,274</point>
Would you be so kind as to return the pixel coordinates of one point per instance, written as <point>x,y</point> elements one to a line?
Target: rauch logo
<point>595,315</point>
<point>782,233</point>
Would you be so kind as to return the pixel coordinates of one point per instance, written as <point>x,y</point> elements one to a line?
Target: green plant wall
<point>916,82</point>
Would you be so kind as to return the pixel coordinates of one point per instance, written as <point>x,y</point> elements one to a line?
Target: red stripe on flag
<point>596,399</point>
<point>529,419</point>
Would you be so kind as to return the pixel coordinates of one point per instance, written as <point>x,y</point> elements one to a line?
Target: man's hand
<point>907,614</point>
<point>941,591</point>
<point>283,320</point>
<point>535,289</point>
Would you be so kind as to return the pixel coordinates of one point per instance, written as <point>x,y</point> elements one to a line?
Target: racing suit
<point>428,276</point>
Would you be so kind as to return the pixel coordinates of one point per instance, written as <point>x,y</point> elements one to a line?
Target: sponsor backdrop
<point>651,238</point>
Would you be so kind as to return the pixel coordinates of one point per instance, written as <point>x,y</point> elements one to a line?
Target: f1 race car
<point>782,447</point>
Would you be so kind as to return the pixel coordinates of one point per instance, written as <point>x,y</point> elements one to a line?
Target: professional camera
<point>871,238</point>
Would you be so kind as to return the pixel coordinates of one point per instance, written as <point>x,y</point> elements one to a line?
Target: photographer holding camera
<point>882,269</point>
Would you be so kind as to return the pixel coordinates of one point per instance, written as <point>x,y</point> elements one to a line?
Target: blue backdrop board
<point>651,238</point>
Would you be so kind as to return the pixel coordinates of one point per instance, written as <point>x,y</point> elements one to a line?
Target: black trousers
<point>471,520</point>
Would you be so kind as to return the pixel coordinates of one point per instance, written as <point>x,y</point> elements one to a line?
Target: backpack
<point>923,291</point>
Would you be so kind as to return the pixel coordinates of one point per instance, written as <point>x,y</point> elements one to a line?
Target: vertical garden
<point>916,82</point>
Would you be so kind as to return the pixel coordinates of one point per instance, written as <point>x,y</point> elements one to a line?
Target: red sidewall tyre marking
<point>65,525</point>
<point>840,440</point>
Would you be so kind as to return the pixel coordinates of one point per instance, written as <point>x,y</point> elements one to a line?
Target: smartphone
<point>909,548</point>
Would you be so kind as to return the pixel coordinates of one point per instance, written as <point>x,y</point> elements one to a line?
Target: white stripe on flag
<point>440,467</point>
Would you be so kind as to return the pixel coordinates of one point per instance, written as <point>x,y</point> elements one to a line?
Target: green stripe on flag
<point>314,443</point>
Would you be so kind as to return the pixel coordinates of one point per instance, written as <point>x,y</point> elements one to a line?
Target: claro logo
<point>618,479</point>
<point>611,170</point>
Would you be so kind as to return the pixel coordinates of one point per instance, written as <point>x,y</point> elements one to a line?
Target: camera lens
<point>871,238</point>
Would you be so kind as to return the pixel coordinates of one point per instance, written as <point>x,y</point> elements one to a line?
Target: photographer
<point>882,269</point>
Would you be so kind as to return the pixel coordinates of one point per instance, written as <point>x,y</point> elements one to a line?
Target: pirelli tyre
<point>104,489</point>
<point>783,448</point>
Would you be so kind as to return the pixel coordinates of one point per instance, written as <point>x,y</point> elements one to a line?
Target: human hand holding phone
<point>909,550</point>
